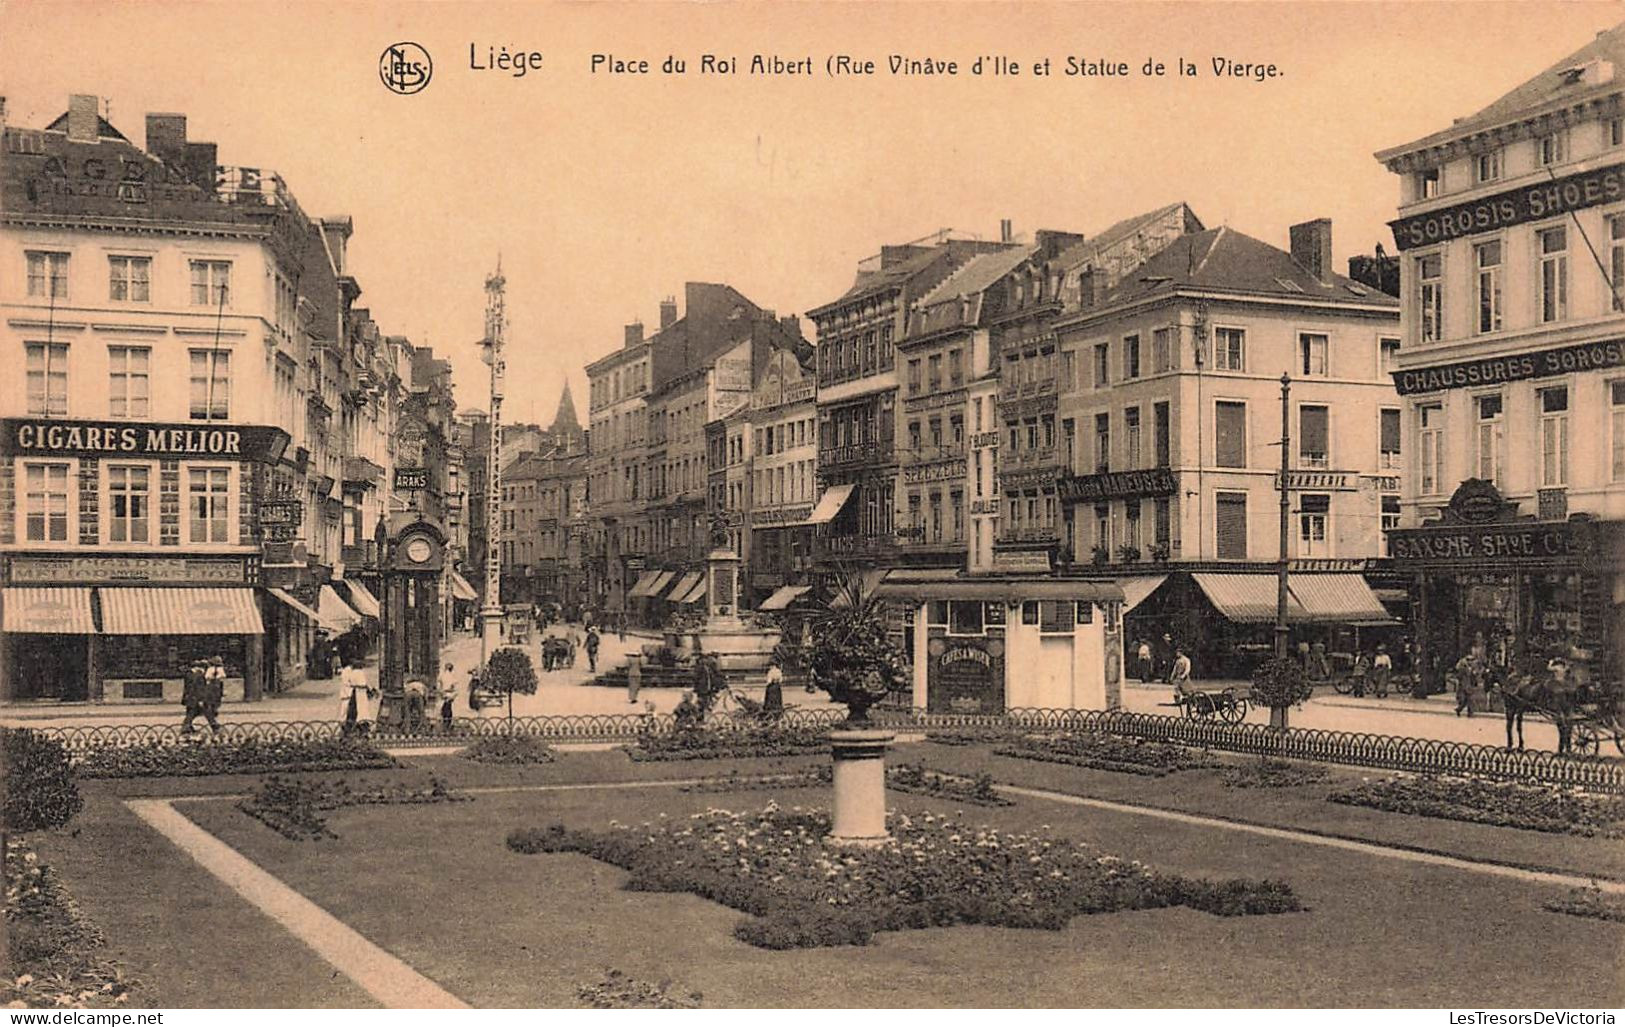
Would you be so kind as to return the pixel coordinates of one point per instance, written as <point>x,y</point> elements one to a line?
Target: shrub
<point>702,744</point>
<point>509,670</point>
<point>36,782</point>
<point>251,756</point>
<point>294,809</point>
<point>1550,808</point>
<point>1279,683</point>
<point>508,749</point>
<point>52,946</point>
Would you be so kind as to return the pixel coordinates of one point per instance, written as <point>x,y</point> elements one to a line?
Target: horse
<point>1522,692</point>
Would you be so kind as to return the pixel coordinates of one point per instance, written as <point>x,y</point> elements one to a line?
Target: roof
<point>940,308</point>
<point>1550,86</point>
<point>104,128</point>
<point>1091,248</point>
<point>565,419</point>
<point>1226,260</point>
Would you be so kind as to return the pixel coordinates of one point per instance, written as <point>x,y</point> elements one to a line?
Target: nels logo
<point>405,68</point>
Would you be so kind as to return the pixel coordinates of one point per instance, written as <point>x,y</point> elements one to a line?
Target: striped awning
<point>659,584</point>
<point>646,581</point>
<point>46,611</point>
<point>180,611</point>
<point>1247,598</point>
<point>362,598</point>
<point>286,599</point>
<point>1138,590</point>
<point>684,586</point>
<point>461,590</point>
<point>830,503</point>
<point>1338,598</point>
<point>694,594</point>
<point>336,614</point>
<point>783,597</point>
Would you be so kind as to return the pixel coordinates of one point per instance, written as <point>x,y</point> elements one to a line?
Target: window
<point>1131,523</point>
<point>956,367</point>
<point>1390,518</point>
<point>211,283</point>
<point>1015,436</point>
<point>934,372</point>
<point>207,503</point>
<point>1069,371</point>
<point>1616,260</point>
<point>1162,435</point>
<point>1131,432</point>
<point>1032,433</point>
<point>1103,443</point>
<point>1430,438</point>
<point>1102,365</point>
<point>956,515</point>
<point>210,385</point>
<point>956,430</point>
<point>1313,511</point>
<point>1554,273</point>
<point>1230,434</point>
<point>936,436</point>
<point>1162,350</point>
<point>1487,167</point>
<point>1229,349</point>
<point>1314,441</point>
<point>129,504</point>
<point>1388,439</point>
<point>1430,296</point>
<point>47,373</point>
<point>1387,354</point>
<point>1055,616</point>
<point>1312,354</point>
<point>45,502</point>
<point>1616,401</point>
<point>1131,356</point>
<point>965,618</point>
<point>1487,257</point>
<point>1103,527</point>
<point>129,279</point>
<point>1490,439</point>
<point>1162,528</point>
<point>1048,424</point>
<point>1552,149</point>
<point>128,381</point>
<point>914,436</point>
<point>1613,131</point>
<point>1554,436</point>
<point>913,377</point>
<point>1230,525</point>
<point>934,526</point>
<point>1069,436</point>
<point>47,275</point>
<point>1427,184</point>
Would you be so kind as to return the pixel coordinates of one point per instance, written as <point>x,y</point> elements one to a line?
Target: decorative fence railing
<point>1384,752</point>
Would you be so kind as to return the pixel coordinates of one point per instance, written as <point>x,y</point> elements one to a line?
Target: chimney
<point>337,231</point>
<point>166,138</point>
<point>1312,247</point>
<point>1005,231</point>
<point>83,114</point>
<point>791,324</point>
<point>634,334</point>
<point>668,312</point>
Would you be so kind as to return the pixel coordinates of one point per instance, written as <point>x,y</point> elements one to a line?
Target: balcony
<point>855,454</point>
<point>929,454</point>
<point>1025,390</point>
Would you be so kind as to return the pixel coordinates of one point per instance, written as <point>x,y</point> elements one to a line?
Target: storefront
<point>987,645</point>
<point>1526,590</point>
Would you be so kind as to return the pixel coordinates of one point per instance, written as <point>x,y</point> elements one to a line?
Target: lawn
<point>437,886</point>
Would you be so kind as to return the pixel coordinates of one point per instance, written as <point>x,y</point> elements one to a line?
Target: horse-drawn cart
<point>1226,705</point>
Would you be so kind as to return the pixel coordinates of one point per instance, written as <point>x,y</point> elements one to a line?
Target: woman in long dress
<point>359,701</point>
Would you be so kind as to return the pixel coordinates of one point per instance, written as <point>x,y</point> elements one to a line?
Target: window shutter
<point>1232,526</point>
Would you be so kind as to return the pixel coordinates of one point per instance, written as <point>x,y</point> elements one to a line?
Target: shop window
<point>1491,437</point>
<point>1553,246</point>
<point>1230,525</point>
<point>1554,436</point>
<point>1314,511</point>
<point>45,502</point>
<point>1430,440</point>
<point>1388,446</point>
<point>1230,433</point>
<point>965,618</point>
<point>47,376</point>
<point>1314,436</point>
<point>1430,296</point>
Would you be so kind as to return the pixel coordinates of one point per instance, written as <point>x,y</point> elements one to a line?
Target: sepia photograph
<point>830,505</point>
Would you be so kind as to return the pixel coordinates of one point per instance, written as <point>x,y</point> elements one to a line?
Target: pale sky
<point>606,193</point>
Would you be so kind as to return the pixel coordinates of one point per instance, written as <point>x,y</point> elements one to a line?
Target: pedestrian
<point>214,692</point>
<point>359,710</point>
<point>417,700</point>
<point>1468,677</point>
<point>1165,657</point>
<point>773,697</point>
<point>592,650</point>
<point>1142,660</point>
<point>1357,674</point>
<point>620,625</point>
<point>1382,668</point>
<point>1320,666</point>
<point>192,695</point>
<point>634,678</point>
<point>1563,689</point>
<point>447,694</point>
<point>1179,675</point>
<point>688,712</point>
<point>474,700</point>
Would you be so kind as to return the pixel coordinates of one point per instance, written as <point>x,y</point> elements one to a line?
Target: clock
<point>419,550</point>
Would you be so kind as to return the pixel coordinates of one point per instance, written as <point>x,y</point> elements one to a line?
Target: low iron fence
<point>1383,752</point>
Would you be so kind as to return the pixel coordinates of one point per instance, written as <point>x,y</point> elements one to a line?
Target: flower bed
<point>294,809</point>
<point>734,781</point>
<point>1268,773</point>
<point>702,744</point>
<point>620,991</point>
<point>1107,752</point>
<point>1589,902</point>
<point>916,779</point>
<point>934,872</point>
<point>1549,808</point>
<point>509,749</point>
<point>51,946</point>
<point>245,757</point>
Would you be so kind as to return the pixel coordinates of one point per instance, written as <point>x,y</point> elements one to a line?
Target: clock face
<point>418,550</point>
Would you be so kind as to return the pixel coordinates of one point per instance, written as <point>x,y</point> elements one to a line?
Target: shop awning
<point>684,586</point>
<point>783,597</point>
<point>1247,598</point>
<point>694,594</point>
<point>46,611</point>
<point>645,582</point>
<point>288,600</point>
<point>461,589</point>
<point>1337,598</point>
<point>660,583</point>
<point>1001,589</point>
<point>830,503</point>
<point>180,611</point>
<point>336,614</point>
<point>363,601</point>
<point>1138,590</point>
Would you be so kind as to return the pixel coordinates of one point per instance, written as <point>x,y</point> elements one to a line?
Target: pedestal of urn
<point>860,786</point>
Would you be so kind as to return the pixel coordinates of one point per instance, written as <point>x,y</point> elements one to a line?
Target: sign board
<point>1116,485</point>
<point>1467,374</point>
<point>1554,504</point>
<point>24,436</point>
<point>984,506</point>
<point>943,471</point>
<point>781,516</point>
<point>1513,207</point>
<point>1318,481</point>
<point>97,569</point>
<point>965,678</point>
<point>1021,561</point>
<point>984,440</point>
<point>410,479</point>
<point>1519,541</point>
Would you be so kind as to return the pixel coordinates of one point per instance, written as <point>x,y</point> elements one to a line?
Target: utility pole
<point>1286,518</point>
<point>496,323</point>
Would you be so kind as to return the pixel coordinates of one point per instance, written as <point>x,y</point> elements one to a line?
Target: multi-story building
<point>618,433</point>
<point>540,494</point>
<point>780,449</point>
<point>857,394</point>
<point>1512,374</point>
<point>201,427</point>
<point>1170,420</point>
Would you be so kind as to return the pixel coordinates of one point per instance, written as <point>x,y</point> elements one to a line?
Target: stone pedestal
<point>490,632</point>
<point>860,786</point>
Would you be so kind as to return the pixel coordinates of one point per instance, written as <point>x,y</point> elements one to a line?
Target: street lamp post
<point>1286,517</point>
<point>495,328</point>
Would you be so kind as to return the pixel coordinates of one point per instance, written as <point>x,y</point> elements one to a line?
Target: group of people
<point>709,684</point>
<point>1166,662</point>
<point>202,692</point>
<point>558,651</point>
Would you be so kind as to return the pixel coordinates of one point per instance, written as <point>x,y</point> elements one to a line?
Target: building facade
<point>780,447</point>
<point>1511,232</point>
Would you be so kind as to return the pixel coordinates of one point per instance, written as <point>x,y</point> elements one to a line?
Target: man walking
<point>592,650</point>
<point>192,695</point>
<point>214,691</point>
<point>634,677</point>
